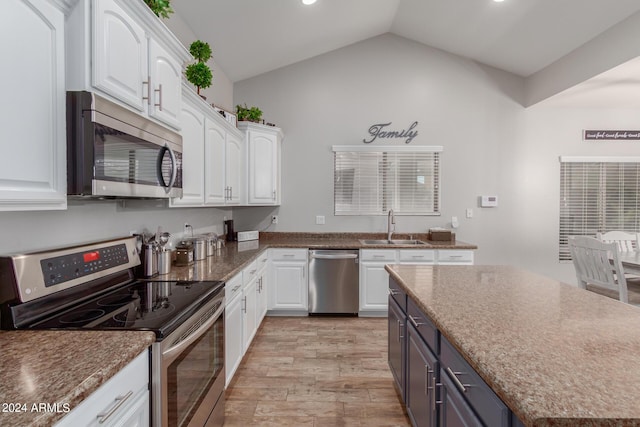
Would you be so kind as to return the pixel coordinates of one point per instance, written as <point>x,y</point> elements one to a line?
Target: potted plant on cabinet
<point>161,8</point>
<point>253,114</point>
<point>199,74</point>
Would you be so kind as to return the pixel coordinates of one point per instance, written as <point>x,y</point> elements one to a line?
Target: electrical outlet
<point>274,219</point>
<point>469,213</point>
<point>320,219</point>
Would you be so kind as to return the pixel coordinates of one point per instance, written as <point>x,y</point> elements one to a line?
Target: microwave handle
<point>174,168</point>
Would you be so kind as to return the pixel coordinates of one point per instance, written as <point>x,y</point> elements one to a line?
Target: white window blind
<point>598,194</point>
<point>372,180</point>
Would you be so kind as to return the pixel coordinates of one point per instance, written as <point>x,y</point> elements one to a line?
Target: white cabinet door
<point>250,314</point>
<point>234,348</point>
<point>214,163</point>
<point>234,169</point>
<point>263,179</point>
<point>193,142</point>
<point>32,114</point>
<point>374,285</point>
<point>262,168</point>
<point>288,289</point>
<point>166,85</point>
<point>125,396</point>
<point>120,55</point>
<point>261,289</point>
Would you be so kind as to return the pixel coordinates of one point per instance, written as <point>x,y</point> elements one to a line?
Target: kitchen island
<point>556,355</point>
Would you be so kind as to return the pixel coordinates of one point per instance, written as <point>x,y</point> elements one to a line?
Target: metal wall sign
<point>611,135</point>
<point>382,131</point>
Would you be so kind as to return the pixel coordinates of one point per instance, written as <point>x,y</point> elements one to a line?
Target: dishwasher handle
<point>337,256</point>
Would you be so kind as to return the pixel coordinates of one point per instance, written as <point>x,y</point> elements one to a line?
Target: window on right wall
<point>597,194</point>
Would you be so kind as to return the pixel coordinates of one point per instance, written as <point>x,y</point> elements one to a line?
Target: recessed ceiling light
<point>308,2</point>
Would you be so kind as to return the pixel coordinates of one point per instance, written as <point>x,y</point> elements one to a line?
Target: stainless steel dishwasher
<point>333,281</point>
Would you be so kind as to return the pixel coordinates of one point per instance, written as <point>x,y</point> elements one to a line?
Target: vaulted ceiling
<point>251,37</point>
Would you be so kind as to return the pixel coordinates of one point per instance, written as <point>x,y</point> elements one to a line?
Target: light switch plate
<point>320,219</point>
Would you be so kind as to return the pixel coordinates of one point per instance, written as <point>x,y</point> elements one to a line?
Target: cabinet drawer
<point>424,326</point>
<point>233,287</point>
<point>262,260</point>
<point>398,294</point>
<point>378,255</point>
<point>289,254</point>
<point>455,256</point>
<point>417,255</point>
<point>249,272</point>
<point>486,403</point>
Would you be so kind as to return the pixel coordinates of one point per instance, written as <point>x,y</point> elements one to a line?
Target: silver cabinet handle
<point>235,288</point>
<point>393,292</point>
<point>378,256</point>
<point>148,97</point>
<point>427,371</point>
<point>252,272</point>
<point>400,326</point>
<point>343,256</point>
<point>415,322</point>
<point>159,92</point>
<point>102,418</point>
<point>434,402</point>
<point>274,194</point>
<point>245,304</point>
<point>456,380</point>
<point>288,255</point>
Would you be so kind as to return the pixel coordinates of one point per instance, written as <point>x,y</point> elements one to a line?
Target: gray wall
<point>98,220</point>
<point>492,145</point>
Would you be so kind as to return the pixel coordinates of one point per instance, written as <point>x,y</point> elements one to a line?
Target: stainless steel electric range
<point>93,286</point>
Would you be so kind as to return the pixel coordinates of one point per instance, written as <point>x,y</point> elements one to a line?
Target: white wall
<point>492,145</point>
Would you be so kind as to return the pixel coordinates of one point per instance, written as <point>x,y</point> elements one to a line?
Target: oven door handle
<point>187,341</point>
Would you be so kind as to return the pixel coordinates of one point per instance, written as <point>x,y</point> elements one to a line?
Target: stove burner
<point>82,316</point>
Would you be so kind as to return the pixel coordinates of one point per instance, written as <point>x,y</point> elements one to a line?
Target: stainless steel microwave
<point>113,152</point>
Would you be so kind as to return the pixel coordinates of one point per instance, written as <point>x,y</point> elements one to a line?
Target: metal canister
<point>199,248</point>
<point>149,259</point>
<point>212,239</point>
<point>164,261</point>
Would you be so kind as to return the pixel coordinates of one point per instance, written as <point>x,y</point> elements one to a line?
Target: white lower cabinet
<point>262,284</point>
<point>122,401</point>
<point>233,349</point>
<point>250,306</point>
<point>374,279</point>
<point>289,287</point>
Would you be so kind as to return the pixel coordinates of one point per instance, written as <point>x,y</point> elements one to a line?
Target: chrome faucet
<point>391,221</point>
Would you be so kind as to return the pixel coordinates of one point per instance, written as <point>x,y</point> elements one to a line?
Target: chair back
<point>627,242</point>
<point>597,263</point>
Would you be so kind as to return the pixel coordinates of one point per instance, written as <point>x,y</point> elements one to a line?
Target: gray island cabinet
<point>499,346</point>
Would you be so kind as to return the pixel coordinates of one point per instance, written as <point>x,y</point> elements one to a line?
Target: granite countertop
<point>232,258</point>
<point>557,355</point>
<point>59,367</point>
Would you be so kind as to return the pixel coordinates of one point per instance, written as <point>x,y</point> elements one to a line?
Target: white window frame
<point>584,210</point>
<point>386,189</point>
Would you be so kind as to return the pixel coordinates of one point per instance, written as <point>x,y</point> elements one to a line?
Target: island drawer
<point>491,410</point>
<point>424,326</point>
<point>398,294</point>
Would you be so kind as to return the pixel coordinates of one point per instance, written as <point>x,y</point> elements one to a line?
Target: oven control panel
<point>63,268</point>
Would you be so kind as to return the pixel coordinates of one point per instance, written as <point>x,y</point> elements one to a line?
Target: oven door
<point>188,371</point>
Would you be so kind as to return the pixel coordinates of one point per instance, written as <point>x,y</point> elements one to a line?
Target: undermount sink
<point>393,242</point>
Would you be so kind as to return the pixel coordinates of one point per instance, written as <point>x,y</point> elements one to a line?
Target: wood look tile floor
<point>316,372</point>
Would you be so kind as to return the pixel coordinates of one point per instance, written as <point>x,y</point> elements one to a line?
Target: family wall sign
<point>385,131</point>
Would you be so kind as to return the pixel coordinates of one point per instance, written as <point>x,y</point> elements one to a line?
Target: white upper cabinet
<point>121,49</point>
<point>32,113</point>
<point>263,163</point>
<point>165,76</point>
<point>213,156</point>
<point>193,136</point>
<point>119,54</point>
<point>234,169</point>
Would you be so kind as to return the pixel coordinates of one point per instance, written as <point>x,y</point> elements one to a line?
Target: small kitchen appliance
<point>92,286</point>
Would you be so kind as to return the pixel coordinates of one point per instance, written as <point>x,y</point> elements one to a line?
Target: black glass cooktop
<point>143,305</point>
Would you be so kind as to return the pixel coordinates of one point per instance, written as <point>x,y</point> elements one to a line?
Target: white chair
<point>627,242</point>
<point>598,267</point>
